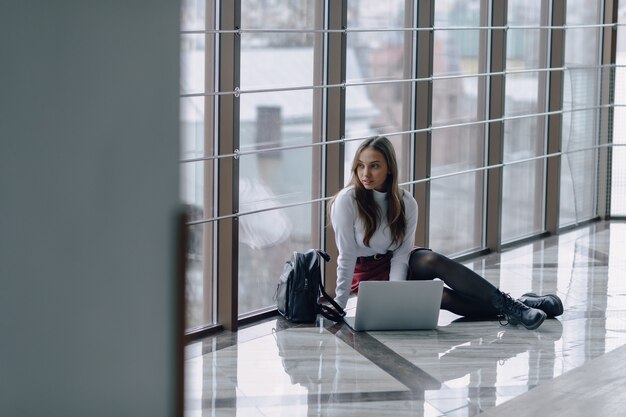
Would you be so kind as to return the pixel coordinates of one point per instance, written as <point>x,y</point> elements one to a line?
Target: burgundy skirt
<point>370,269</point>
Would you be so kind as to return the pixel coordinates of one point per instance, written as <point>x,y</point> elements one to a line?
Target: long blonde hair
<point>368,210</point>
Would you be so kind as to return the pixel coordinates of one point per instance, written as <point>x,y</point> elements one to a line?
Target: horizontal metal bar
<point>261,151</point>
<point>396,29</point>
<point>344,31</point>
<point>247,213</point>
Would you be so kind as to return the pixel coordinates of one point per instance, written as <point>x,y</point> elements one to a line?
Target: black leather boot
<point>515,312</point>
<point>550,304</point>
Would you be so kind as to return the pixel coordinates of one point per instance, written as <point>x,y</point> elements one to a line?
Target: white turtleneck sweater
<point>349,234</point>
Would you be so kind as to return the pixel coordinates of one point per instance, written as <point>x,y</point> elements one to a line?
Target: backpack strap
<point>333,312</point>
<point>323,255</point>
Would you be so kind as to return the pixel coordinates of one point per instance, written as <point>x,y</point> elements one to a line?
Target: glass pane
<point>522,200</point>
<point>273,119</point>
<point>197,176</point>
<point>198,206</point>
<point>277,14</point>
<point>268,236</point>
<point>370,14</point>
<point>377,57</point>
<point>191,127</point>
<point>525,94</point>
<point>455,225</point>
<point>192,59</point>
<point>198,290</point>
<point>192,189</point>
<point>456,202</point>
<point>269,64</point>
<point>618,166</point>
<point>192,195</point>
<point>523,183</point>
<point>192,15</point>
<point>525,47</point>
<point>457,13</point>
<point>275,178</point>
<point>456,149</point>
<point>578,169</point>
<point>456,51</point>
<point>456,100</point>
<point>580,91</point>
<point>618,179</point>
<point>266,240</point>
<point>277,59</point>
<point>578,190</point>
<point>375,109</point>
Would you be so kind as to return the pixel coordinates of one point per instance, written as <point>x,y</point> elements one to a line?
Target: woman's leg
<point>464,306</point>
<point>470,294</point>
<point>426,264</point>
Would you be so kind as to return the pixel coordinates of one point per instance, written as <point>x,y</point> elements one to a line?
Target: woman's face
<point>372,169</point>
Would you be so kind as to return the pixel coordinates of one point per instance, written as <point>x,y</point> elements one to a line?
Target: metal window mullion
<point>409,71</point>
<point>395,29</point>
<point>423,61</point>
<point>335,117</point>
<point>228,168</point>
<point>209,245</point>
<point>484,65</point>
<point>318,152</point>
<point>495,133</point>
<point>555,120</point>
<point>539,222</point>
<point>607,97</point>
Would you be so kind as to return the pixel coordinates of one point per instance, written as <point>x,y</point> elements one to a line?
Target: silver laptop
<point>397,305</point>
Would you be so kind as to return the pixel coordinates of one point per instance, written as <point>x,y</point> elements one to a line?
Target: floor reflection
<point>461,369</point>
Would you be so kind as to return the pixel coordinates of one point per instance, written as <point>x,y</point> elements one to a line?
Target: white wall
<point>88,198</point>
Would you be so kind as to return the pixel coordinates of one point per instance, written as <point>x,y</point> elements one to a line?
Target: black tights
<point>468,293</point>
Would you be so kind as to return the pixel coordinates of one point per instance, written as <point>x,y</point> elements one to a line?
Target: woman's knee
<point>423,263</point>
<point>424,260</point>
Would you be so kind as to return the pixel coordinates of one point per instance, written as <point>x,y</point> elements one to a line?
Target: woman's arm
<point>400,259</point>
<point>343,217</point>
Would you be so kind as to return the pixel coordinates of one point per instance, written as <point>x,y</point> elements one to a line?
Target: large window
<point>277,179</point>
<point>377,70</point>
<point>196,141</point>
<point>525,127</point>
<point>458,136</point>
<point>276,95</point>
<point>618,167</point>
<point>580,104</point>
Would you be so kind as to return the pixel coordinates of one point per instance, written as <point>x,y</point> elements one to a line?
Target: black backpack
<point>299,289</point>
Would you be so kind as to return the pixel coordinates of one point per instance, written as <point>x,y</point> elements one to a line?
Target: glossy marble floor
<point>571,366</point>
